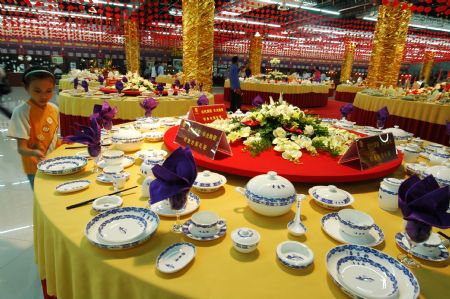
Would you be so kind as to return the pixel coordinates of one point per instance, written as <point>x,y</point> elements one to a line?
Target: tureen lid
<point>127,133</point>
<point>209,179</point>
<point>397,132</point>
<point>331,192</point>
<point>245,236</point>
<point>271,185</point>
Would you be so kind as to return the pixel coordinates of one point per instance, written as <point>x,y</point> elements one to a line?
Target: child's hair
<point>36,73</point>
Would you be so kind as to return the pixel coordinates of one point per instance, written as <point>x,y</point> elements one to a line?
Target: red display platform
<point>108,90</point>
<point>312,169</point>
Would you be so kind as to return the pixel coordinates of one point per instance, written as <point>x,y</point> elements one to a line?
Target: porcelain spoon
<point>296,227</point>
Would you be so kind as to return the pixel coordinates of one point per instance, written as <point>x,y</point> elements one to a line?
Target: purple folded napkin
<point>200,87</point>
<point>257,101</point>
<point>104,115</point>
<point>100,79</point>
<point>346,109</point>
<point>160,87</point>
<point>202,100</point>
<point>187,87</point>
<point>149,104</point>
<point>192,83</point>
<point>177,83</point>
<point>85,85</point>
<point>75,83</point>
<point>88,135</point>
<point>383,114</point>
<point>423,204</point>
<point>174,178</point>
<point>119,86</point>
<point>124,79</point>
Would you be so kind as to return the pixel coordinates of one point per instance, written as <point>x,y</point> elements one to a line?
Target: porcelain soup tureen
<point>269,194</point>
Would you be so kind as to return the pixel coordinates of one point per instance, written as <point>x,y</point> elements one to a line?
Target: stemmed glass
<point>415,233</point>
<point>95,152</point>
<point>380,123</point>
<point>177,203</point>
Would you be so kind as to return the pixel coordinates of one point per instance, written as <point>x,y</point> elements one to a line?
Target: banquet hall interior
<point>225,149</point>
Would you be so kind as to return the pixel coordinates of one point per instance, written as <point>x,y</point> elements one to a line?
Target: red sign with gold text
<point>208,113</point>
<point>202,139</point>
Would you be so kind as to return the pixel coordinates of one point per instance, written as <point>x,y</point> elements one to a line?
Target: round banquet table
<point>71,267</point>
<point>74,109</point>
<point>168,79</point>
<point>301,95</point>
<point>426,120</point>
<point>67,84</point>
<point>347,93</point>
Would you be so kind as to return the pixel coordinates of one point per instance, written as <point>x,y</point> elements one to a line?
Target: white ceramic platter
<point>162,208</point>
<point>150,152</point>
<point>366,278</point>
<point>122,228</point>
<point>329,204</point>
<point>62,165</point>
<point>91,230</point>
<point>433,254</point>
<point>103,179</point>
<point>408,287</point>
<point>127,161</point>
<point>331,225</point>
<point>175,257</point>
<point>73,186</point>
<point>221,225</point>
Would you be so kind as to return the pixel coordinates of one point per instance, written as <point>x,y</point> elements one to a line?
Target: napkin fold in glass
<point>177,83</point>
<point>160,87</point>
<point>75,83</point>
<point>257,101</point>
<point>174,178</point>
<point>119,85</point>
<point>346,109</point>
<point>88,135</point>
<point>124,79</point>
<point>104,114</point>
<point>202,100</point>
<point>85,85</point>
<point>148,105</point>
<point>192,83</point>
<point>383,114</point>
<point>100,79</point>
<point>187,87</point>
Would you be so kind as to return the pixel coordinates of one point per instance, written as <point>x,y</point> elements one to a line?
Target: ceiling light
<point>325,11</point>
<point>246,22</point>
<point>230,13</point>
<point>413,25</point>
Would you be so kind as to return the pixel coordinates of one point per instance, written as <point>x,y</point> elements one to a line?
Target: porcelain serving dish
<point>245,239</point>
<point>208,181</point>
<point>127,139</point>
<point>175,257</point>
<point>294,254</point>
<point>62,165</point>
<point>331,197</point>
<point>269,194</point>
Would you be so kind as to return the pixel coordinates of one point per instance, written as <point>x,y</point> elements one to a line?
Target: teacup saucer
<point>437,254</point>
<point>102,178</point>
<point>127,161</point>
<point>331,225</point>
<point>222,228</point>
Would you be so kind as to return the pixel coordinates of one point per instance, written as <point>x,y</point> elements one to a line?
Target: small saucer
<point>440,252</point>
<point>103,179</point>
<point>331,225</point>
<point>222,228</point>
<point>127,161</point>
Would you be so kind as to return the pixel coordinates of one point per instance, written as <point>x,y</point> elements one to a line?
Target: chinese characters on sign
<point>207,114</point>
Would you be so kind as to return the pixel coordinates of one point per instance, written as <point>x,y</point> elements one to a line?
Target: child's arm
<point>24,150</point>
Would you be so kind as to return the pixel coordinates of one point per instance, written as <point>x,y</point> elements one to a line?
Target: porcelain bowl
<point>245,239</point>
<point>127,140</point>
<point>294,254</point>
<point>269,194</point>
<point>410,154</point>
<point>355,223</point>
<point>109,171</point>
<point>108,202</point>
<point>204,223</point>
<point>113,157</point>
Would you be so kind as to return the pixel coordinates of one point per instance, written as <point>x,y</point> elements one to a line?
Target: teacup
<point>109,171</point>
<point>118,181</point>
<point>355,223</point>
<point>113,157</point>
<point>411,153</point>
<point>204,223</point>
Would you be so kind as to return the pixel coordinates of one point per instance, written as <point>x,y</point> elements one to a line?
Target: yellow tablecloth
<point>284,88</point>
<point>128,107</point>
<point>75,269</point>
<point>67,83</point>
<point>428,112</point>
<point>168,79</point>
<point>349,88</point>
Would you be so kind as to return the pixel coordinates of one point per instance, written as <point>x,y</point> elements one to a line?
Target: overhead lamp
<point>325,11</point>
<point>413,25</point>
<point>246,22</point>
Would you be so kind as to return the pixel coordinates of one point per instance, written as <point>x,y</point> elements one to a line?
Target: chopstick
<point>74,147</point>
<point>80,204</point>
<point>444,235</point>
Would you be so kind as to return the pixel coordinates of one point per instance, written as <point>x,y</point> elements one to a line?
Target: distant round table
<point>67,83</point>
<point>347,93</point>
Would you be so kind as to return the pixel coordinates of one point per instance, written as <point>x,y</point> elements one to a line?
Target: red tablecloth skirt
<point>348,97</point>
<point>425,130</point>
<point>68,122</point>
<point>301,100</point>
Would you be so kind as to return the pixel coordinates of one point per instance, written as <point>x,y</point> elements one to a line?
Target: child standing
<point>35,122</point>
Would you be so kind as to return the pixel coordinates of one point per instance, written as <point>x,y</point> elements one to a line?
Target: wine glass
<point>177,203</point>
<point>95,152</point>
<point>380,123</point>
<point>416,232</point>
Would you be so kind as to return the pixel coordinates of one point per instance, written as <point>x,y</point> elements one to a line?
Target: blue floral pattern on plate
<point>441,250</point>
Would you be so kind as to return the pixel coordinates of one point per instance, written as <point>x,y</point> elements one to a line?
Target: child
<point>35,123</point>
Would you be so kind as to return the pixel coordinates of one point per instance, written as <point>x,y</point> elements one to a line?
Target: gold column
<point>347,64</point>
<point>132,52</point>
<point>388,45</point>
<point>427,65</point>
<point>198,41</point>
<point>255,54</point>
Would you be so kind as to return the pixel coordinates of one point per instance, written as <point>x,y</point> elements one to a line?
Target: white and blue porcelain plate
<point>408,286</point>
<point>91,230</point>
<point>62,165</point>
<point>127,161</point>
<point>434,254</point>
<point>366,278</point>
<point>102,178</point>
<point>175,257</point>
<point>221,225</point>
<point>331,225</point>
<point>122,228</point>
<point>73,186</point>
<point>162,208</point>
<point>150,152</point>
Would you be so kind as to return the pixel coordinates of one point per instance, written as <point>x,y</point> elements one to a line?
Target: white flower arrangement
<point>275,61</point>
<point>136,82</point>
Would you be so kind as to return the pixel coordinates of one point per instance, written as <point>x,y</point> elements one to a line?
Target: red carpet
<point>329,111</point>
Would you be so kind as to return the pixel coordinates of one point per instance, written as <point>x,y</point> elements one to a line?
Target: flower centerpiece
<point>276,75</point>
<point>288,129</point>
<point>134,82</point>
<point>274,62</point>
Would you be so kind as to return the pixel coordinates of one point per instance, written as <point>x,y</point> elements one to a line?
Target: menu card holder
<point>204,140</point>
<point>371,151</point>
<point>208,113</point>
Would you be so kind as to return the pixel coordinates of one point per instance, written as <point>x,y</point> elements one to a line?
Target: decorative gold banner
<point>132,51</point>
<point>427,66</point>
<point>388,45</point>
<point>198,41</point>
<point>255,54</point>
<point>347,64</point>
